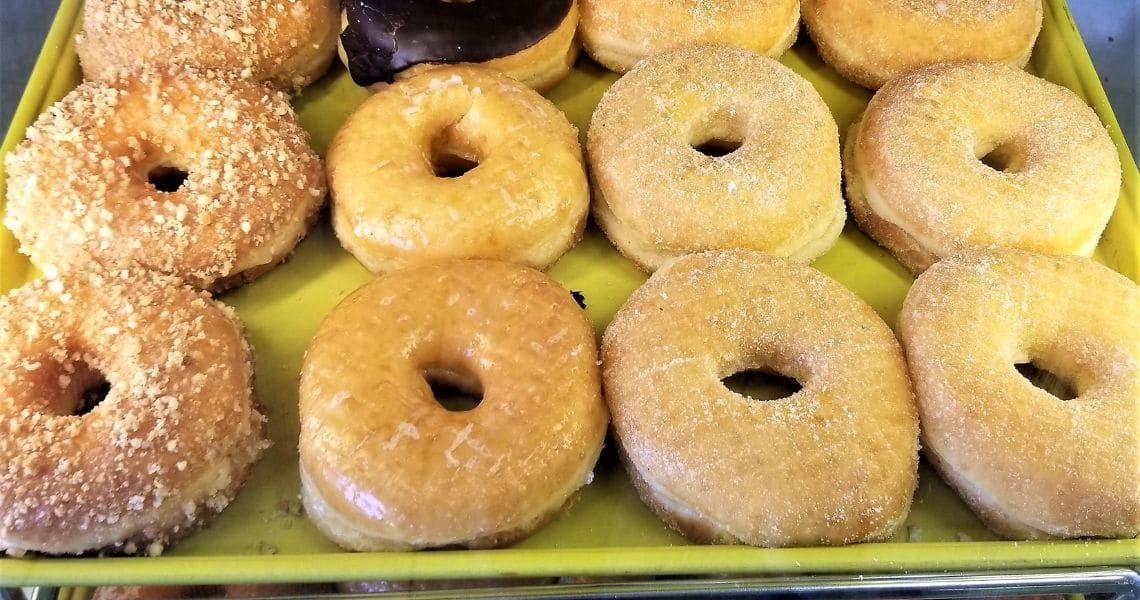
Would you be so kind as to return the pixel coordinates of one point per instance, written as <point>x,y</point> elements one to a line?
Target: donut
<point>169,444</point>
<point>401,188</point>
<point>663,184</point>
<point>620,33</point>
<point>833,463</point>
<point>384,466</point>
<point>195,174</point>
<point>958,157</point>
<point>1030,464</point>
<point>871,42</point>
<point>289,43</point>
<point>533,42</point>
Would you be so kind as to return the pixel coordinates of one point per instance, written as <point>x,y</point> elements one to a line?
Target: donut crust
<point>916,182</point>
<point>78,190</point>
<point>526,200</point>
<point>385,467</point>
<point>169,446</point>
<point>834,463</point>
<point>620,33</point>
<point>289,43</point>
<point>1030,465</point>
<point>873,41</point>
<point>657,197</point>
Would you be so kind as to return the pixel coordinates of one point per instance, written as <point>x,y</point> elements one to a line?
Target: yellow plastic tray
<point>263,537</point>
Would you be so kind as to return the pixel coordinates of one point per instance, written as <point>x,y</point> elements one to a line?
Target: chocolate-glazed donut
<point>534,42</point>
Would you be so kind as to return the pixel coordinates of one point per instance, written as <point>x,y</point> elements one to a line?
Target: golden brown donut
<point>87,185</point>
<point>873,41</point>
<point>1030,464</point>
<point>289,43</point>
<point>385,467</point>
<point>169,446</point>
<point>658,196</point>
<point>619,33</point>
<point>958,157</point>
<point>540,66</point>
<point>834,463</point>
<point>395,203</point>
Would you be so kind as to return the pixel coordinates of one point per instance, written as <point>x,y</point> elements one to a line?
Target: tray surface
<point>264,537</point>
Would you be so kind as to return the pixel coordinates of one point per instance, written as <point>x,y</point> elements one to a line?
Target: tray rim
<point>664,560</point>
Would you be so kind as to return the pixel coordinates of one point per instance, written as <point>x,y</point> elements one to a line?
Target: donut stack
<point>708,164</point>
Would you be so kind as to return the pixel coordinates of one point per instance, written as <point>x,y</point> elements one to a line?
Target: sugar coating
<point>78,188</point>
<point>169,444</point>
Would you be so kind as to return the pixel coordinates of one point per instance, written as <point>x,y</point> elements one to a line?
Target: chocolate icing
<point>384,37</point>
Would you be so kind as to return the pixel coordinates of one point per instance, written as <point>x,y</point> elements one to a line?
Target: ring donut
<point>533,42</point>
<point>834,463</point>
<point>91,182</point>
<point>620,33</point>
<point>524,198</point>
<point>170,444</point>
<point>1030,464</point>
<point>289,43</point>
<point>958,157</point>
<point>873,41</point>
<point>662,187</point>
<point>385,467</point>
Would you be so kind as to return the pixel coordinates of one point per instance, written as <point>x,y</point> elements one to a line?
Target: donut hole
<point>761,384</point>
<point>718,146</point>
<point>166,178</point>
<point>1003,158</point>
<point>453,154</point>
<point>78,386</point>
<point>454,390</point>
<point>1046,380</point>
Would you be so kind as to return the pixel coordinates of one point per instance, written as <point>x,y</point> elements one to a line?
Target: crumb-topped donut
<point>385,467</point>
<point>715,147</point>
<point>1029,463</point>
<point>957,157</point>
<point>873,41</point>
<point>834,463</point>
<point>619,33</point>
<point>533,42</point>
<point>196,174</point>
<point>287,42</point>
<point>169,445</point>
<point>457,162</point>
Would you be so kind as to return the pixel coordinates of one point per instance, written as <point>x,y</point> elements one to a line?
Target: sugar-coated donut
<point>873,41</point>
<point>658,196</point>
<point>1030,464</point>
<point>169,445</point>
<point>956,157</point>
<point>834,463</point>
<point>385,467</point>
<point>87,185</point>
<point>524,199</point>
<point>533,42</point>
<point>287,42</point>
<point>619,33</point>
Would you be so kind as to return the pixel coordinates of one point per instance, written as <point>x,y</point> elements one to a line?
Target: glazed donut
<point>90,183</point>
<point>918,165</point>
<point>533,42</point>
<point>619,33</point>
<point>873,41</point>
<point>834,463</point>
<point>395,201</point>
<point>289,43</point>
<point>385,467</point>
<point>169,445</point>
<point>1029,464</point>
<point>659,193</point>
